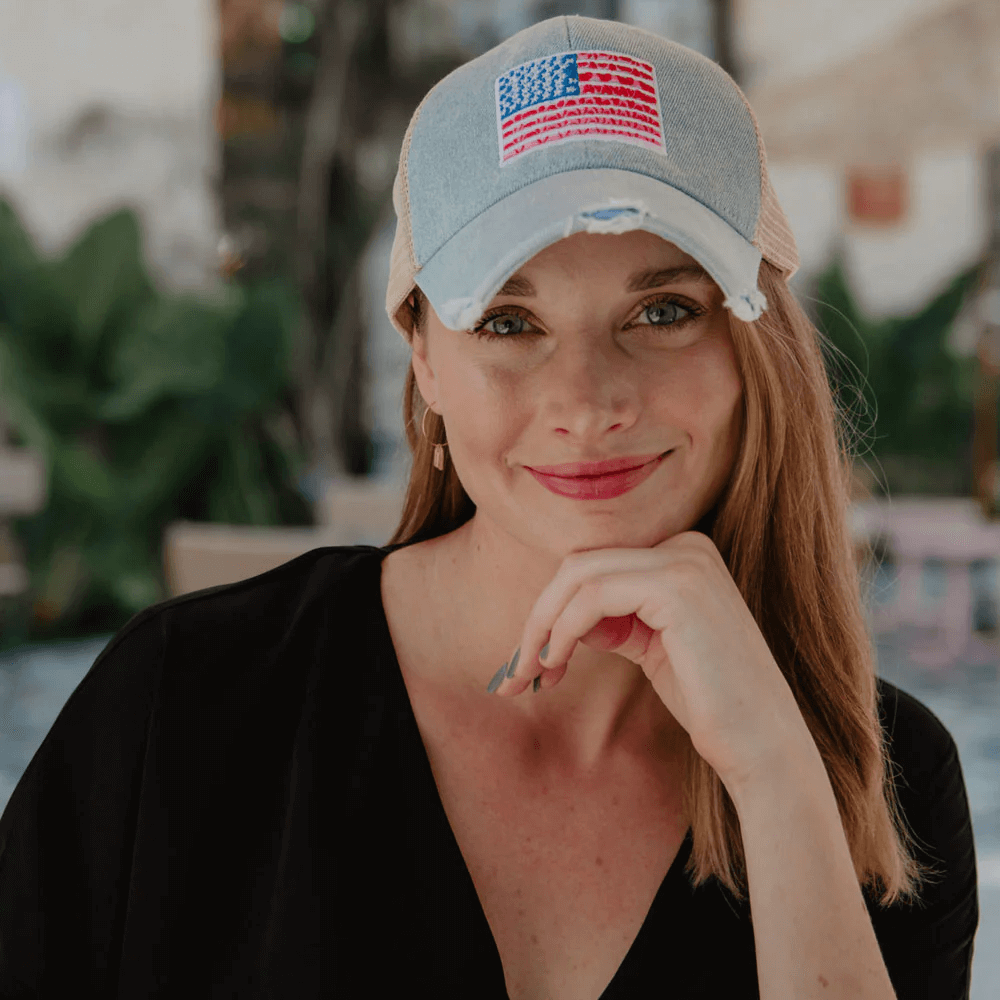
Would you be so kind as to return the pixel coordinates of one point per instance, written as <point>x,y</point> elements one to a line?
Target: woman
<point>572,301</point>
<point>321,781</point>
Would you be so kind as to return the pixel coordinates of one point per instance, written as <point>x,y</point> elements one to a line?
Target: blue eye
<point>664,313</point>
<point>502,325</point>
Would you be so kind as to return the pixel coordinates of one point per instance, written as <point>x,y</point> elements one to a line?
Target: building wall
<point>894,269</point>
<point>784,39</point>
<point>105,103</point>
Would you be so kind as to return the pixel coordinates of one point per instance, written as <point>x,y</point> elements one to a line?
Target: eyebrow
<point>518,286</point>
<point>639,282</point>
<point>644,280</point>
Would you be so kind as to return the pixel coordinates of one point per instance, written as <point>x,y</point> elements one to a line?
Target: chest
<point>565,874</point>
<point>565,869</point>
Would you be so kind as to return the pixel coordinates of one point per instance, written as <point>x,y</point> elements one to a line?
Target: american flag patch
<point>578,95</point>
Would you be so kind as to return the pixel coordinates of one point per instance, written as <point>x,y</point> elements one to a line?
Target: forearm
<point>812,932</point>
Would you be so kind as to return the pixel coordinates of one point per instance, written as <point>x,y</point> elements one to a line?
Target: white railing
<point>919,532</point>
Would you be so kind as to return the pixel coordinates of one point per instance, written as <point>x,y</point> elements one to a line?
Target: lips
<point>602,487</point>
<point>571,470</point>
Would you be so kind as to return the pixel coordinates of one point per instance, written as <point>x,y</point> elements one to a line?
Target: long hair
<point>782,526</point>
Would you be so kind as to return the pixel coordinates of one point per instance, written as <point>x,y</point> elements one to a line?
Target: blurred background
<point>198,381</point>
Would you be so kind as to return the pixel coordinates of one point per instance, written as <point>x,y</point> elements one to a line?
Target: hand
<point>675,610</point>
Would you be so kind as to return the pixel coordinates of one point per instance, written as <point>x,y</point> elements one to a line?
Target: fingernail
<point>513,662</point>
<point>536,684</point>
<point>497,680</point>
<point>544,652</point>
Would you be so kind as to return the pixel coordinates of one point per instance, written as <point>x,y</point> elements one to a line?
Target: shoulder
<point>193,650</point>
<point>261,612</point>
<point>189,697</point>
<point>900,710</point>
<point>927,772</point>
<point>926,769</point>
<point>928,944</point>
<point>275,599</point>
<point>917,739</point>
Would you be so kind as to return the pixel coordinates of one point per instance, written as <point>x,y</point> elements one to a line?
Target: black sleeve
<point>928,945</point>
<point>67,831</point>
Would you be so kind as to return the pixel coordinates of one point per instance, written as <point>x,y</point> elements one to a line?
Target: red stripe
<point>646,94</point>
<point>616,126</point>
<point>608,73</point>
<point>622,79</point>
<point>618,66</point>
<point>585,129</point>
<point>561,119</point>
<point>549,137</point>
<point>605,106</point>
<point>640,111</point>
<point>613,58</point>
<point>588,101</point>
<point>634,110</point>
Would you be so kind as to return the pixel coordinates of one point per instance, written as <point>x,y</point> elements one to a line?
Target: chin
<point>607,536</point>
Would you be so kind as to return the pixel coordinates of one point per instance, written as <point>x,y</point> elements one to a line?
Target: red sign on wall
<point>876,196</point>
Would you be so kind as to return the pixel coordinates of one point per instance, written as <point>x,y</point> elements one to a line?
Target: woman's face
<point>603,346</point>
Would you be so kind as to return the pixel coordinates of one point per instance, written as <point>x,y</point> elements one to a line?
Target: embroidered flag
<point>578,95</point>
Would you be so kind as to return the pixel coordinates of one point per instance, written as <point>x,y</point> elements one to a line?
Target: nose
<point>590,388</point>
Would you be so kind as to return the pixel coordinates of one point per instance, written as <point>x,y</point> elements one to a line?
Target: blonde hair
<point>782,527</point>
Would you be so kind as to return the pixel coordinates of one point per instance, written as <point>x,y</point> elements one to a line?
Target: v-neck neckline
<point>672,880</point>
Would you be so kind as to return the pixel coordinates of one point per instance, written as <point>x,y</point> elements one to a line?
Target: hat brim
<point>467,272</point>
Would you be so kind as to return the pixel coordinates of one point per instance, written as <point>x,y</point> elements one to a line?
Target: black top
<point>236,802</point>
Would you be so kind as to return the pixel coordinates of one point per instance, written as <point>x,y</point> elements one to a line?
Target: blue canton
<point>537,82</point>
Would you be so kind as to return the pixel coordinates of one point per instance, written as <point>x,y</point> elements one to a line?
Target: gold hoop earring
<point>438,448</point>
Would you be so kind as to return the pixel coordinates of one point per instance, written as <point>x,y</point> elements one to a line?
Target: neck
<point>603,707</point>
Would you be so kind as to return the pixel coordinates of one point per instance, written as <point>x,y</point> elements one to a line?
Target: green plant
<point>918,393</point>
<point>146,408</point>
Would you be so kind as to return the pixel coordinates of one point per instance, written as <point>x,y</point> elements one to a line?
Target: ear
<point>422,370</point>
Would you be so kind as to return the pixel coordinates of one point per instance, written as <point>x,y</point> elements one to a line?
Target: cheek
<point>725,413</point>
<point>726,391</point>
<point>487,407</point>
<point>700,392</point>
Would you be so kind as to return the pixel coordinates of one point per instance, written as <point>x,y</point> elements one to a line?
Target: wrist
<point>788,770</point>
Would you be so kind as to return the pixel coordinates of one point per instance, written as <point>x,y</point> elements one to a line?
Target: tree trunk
<point>985,470</point>
<point>341,23</point>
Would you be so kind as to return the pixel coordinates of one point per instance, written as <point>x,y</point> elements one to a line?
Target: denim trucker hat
<point>571,125</point>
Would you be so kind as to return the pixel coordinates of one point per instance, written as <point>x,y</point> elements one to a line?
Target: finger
<point>523,669</point>
<point>616,596</point>
<point>606,636</point>
<point>550,678</point>
<point>607,609</point>
<point>576,568</point>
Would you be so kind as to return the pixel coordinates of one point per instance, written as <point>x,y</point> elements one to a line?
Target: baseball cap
<point>576,124</point>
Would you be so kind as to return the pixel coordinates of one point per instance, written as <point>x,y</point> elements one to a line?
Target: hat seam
<point>404,185</point>
<point>405,179</point>
<point>765,183</point>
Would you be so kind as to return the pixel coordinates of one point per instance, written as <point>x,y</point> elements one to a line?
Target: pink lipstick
<point>597,480</point>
